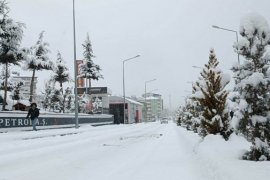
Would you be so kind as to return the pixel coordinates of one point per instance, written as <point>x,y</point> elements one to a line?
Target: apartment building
<point>153,106</point>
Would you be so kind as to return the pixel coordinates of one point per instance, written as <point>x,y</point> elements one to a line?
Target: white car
<point>164,121</point>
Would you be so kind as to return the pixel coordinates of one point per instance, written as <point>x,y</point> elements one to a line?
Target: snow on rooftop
<point>152,98</point>
<point>118,99</point>
<point>24,102</point>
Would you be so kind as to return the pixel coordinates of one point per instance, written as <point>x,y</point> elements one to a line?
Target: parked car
<point>164,121</point>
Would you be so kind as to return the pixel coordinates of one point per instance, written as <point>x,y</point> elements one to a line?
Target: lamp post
<point>236,33</point>
<point>75,70</point>
<point>145,113</point>
<point>124,91</point>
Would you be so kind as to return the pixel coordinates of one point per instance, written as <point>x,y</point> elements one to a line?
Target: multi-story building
<point>25,88</point>
<point>153,106</point>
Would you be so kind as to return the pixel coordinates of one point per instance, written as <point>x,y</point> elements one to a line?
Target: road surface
<point>150,151</point>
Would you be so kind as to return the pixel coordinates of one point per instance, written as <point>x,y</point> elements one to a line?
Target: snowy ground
<point>151,151</point>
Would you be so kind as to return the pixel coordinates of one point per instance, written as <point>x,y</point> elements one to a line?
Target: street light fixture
<point>145,113</point>
<point>197,67</point>
<point>236,33</point>
<point>75,70</point>
<point>124,91</point>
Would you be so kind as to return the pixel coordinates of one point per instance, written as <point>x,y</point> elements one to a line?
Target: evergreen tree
<point>61,75</point>
<point>49,89</point>
<point>89,69</point>
<point>211,95</point>
<point>56,100</point>
<point>38,60</point>
<point>9,85</point>
<point>179,115</point>
<point>82,103</point>
<point>185,119</point>
<point>196,110</point>
<point>252,86</point>
<point>11,33</point>
<point>16,91</point>
<point>60,72</point>
<point>69,98</point>
<point>12,85</point>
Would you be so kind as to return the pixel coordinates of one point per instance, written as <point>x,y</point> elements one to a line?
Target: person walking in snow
<point>33,113</point>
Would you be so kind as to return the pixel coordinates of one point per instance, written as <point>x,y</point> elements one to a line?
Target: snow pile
<point>215,147</point>
<point>222,159</point>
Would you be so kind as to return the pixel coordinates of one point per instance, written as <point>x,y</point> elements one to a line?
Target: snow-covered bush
<point>252,85</point>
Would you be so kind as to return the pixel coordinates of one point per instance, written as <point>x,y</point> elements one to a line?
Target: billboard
<point>80,81</point>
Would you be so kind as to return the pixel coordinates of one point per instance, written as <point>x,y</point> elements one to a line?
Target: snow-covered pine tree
<point>49,88</point>
<point>11,33</point>
<point>211,95</point>
<point>252,85</point>
<point>38,60</point>
<point>56,99</point>
<point>6,75</point>
<point>186,115</point>
<point>89,70</point>
<point>69,98</point>
<point>60,72</point>
<point>61,75</point>
<point>180,115</point>
<point>16,95</point>
<point>191,114</point>
<point>82,103</point>
<point>196,109</point>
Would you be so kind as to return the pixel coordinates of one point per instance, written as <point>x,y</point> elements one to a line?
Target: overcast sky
<point>170,35</point>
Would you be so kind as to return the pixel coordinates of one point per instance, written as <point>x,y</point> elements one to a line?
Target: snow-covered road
<point>151,151</point>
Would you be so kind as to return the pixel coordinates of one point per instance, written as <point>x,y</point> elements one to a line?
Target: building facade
<point>133,110</point>
<point>25,88</point>
<point>153,106</point>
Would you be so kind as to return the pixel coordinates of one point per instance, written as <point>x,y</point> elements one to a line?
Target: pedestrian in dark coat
<point>33,113</point>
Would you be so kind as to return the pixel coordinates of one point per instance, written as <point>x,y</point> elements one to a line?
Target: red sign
<point>80,81</point>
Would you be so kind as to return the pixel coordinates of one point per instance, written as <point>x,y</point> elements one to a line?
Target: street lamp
<point>124,91</point>
<point>236,33</point>
<point>145,113</point>
<point>75,70</point>
<point>197,67</point>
